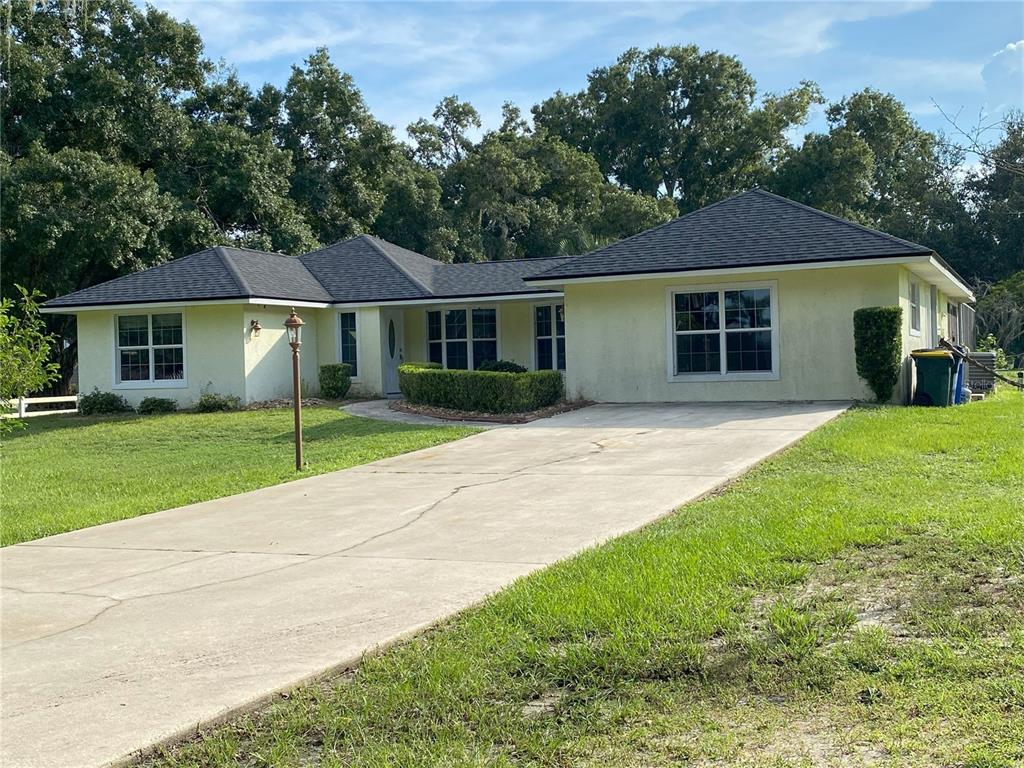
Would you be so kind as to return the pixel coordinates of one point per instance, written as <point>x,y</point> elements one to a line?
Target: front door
<point>392,349</point>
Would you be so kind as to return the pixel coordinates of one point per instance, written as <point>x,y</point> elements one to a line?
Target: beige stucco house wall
<point>624,325</point>
<point>214,353</point>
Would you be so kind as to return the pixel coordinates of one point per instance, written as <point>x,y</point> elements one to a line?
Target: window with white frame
<point>915,306</point>
<point>549,336</point>
<point>723,331</point>
<point>462,337</point>
<point>347,345</point>
<point>150,348</point>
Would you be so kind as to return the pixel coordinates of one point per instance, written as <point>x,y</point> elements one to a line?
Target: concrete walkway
<point>381,409</point>
<point>122,635</point>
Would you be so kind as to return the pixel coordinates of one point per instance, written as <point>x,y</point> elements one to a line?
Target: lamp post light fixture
<point>294,326</point>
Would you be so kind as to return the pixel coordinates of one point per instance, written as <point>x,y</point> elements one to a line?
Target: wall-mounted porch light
<point>255,327</point>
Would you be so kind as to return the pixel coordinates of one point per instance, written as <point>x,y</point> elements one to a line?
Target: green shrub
<point>990,343</point>
<point>151,405</point>
<point>210,402</point>
<point>484,391</point>
<point>335,380</point>
<point>433,366</point>
<point>97,402</point>
<point>878,345</point>
<point>502,366</point>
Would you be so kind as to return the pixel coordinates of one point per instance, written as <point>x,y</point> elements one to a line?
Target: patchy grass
<point>62,473</point>
<point>855,601</point>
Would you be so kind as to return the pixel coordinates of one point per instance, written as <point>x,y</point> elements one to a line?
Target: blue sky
<point>964,56</point>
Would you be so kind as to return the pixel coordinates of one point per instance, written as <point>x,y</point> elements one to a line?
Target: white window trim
<point>553,337</point>
<point>359,345</point>
<point>670,328</point>
<point>469,332</point>
<point>911,304</point>
<point>181,383</point>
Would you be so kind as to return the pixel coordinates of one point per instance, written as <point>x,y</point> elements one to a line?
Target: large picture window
<point>150,348</point>
<point>348,351</point>
<point>462,337</point>
<point>724,332</point>
<point>549,336</point>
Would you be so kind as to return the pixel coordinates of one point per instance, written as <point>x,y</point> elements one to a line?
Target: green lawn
<point>61,473</point>
<point>858,600</point>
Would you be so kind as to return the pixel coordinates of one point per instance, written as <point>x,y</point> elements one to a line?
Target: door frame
<point>391,316</point>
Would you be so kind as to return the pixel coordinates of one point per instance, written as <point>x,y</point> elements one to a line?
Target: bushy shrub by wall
<point>211,402</point>
<point>335,380</point>
<point>878,345</point>
<point>151,405</point>
<point>482,391</point>
<point>97,402</point>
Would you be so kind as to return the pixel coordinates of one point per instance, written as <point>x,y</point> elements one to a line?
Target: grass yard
<point>858,600</point>
<point>61,473</point>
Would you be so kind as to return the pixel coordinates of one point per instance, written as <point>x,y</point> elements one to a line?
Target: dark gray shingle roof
<point>220,272</point>
<point>755,228</point>
<point>366,268</point>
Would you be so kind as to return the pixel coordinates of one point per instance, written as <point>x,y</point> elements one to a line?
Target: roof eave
<point>760,266</point>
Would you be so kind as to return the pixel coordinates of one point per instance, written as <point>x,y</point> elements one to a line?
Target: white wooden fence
<point>22,404</point>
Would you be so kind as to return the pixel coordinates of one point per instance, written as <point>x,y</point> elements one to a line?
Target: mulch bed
<point>450,414</point>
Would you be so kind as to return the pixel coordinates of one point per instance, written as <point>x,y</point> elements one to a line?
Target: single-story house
<point>751,298</point>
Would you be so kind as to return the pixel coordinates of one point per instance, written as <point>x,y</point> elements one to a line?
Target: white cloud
<point>1004,78</point>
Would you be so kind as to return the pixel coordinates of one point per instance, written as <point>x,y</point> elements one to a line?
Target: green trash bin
<point>935,371</point>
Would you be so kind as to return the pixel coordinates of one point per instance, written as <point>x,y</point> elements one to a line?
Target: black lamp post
<point>294,325</point>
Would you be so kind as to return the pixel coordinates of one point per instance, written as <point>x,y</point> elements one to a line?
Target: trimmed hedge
<point>878,346</point>
<point>97,402</point>
<point>481,391</point>
<point>335,380</point>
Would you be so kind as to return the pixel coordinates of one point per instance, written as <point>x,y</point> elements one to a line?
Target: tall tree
<point>996,193</point>
<point>342,154</point>
<point>677,121</point>
<point>446,140</point>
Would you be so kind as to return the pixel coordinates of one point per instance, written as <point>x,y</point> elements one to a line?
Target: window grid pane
<point>748,351</point>
<point>485,324</point>
<point>348,341</point>
<point>698,353</point>
<point>133,331</point>
<point>458,354</point>
<point>544,354</point>
<point>167,330</point>
<point>435,352</point>
<point>749,308</point>
<point>697,311</point>
<point>455,324</point>
<point>484,351</point>
<point>134,365</point>
<point>433,326</point>
<point>168,363</point>
<point>543,321</point>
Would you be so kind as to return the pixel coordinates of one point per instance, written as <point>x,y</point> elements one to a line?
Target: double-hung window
<point>549,336</point>
<point>915,306</point>
<point>347,345</point>
<point>151,348</point>
<point>724,332</point>
<point>462,337</point>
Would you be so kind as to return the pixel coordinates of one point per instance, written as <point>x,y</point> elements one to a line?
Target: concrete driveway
<point>126,634</point>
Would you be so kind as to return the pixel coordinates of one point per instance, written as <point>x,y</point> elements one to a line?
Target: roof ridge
<point>841,220</point>
<point>236,274</point>
<point>504,261</point>
<point>257,250</point>
<point>373,241</point>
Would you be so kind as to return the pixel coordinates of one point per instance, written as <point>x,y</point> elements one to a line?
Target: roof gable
<point>755,228</point>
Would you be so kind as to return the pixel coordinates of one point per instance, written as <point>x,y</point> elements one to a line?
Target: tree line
<point>124,146</point>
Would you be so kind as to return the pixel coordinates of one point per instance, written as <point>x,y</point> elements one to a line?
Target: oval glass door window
<point>391,338</point>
